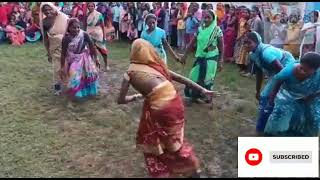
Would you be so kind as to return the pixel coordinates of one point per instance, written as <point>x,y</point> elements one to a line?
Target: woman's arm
<point>123,98</point>
<point>47,45</point>
<point>275,91</point>
<point>277,66</point>
<point>178,78</point>
<point>169,48</point>
<point>259,80</point>
<point>93,51</point>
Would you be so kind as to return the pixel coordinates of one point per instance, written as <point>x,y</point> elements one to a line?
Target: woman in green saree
<point>209,55</point>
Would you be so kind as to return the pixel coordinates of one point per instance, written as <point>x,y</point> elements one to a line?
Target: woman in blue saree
<point>297,105</point>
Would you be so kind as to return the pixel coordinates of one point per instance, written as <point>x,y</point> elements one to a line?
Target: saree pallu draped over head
<point>204,69</point>
<point>161,130</point>
<point>55,35</point>
<point>83,74</point>
<point>58,29</point>
<point>95,31</point>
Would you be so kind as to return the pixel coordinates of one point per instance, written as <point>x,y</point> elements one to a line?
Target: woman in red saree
<point>230,35</point>
<point>3,15</point>
<point>161,130</point>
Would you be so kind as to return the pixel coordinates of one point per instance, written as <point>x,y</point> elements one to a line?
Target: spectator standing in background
<point>116,19</point>
<point>161,15</point>
<point>167,19</point>
<point>173,24</point>
<point>181,26</point>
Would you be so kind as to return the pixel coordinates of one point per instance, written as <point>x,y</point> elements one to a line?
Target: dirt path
<point>213,132</point>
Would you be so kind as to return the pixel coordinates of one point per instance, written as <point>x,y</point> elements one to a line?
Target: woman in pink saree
<point>15,33</point>
<point>78,60</point>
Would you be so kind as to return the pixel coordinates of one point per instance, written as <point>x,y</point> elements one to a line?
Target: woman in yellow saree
<point>53,25</point>
<point>161,130</point>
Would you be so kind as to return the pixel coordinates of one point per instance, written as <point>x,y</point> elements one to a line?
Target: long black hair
<point>256,9</point>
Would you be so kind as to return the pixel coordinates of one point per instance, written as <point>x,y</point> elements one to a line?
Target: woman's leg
<point>105,59</point>
<point>174,36</point>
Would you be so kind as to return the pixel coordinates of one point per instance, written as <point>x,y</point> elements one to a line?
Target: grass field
<point>42,135</point>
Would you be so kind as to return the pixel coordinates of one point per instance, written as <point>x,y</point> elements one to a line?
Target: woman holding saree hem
<point>77,56</point>
<point>161,130</point>
<point>53,27</point>
<point>96,30</point>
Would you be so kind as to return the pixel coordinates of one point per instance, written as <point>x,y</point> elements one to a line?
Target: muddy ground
<point>47,136</point>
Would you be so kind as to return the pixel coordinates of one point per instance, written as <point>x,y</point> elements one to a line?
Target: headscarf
<point>60,21</point>
<point>220,12</point>
<point>212,14</point>
<point>258,37</point>
<point>142,52</point>
<point>207,36</point>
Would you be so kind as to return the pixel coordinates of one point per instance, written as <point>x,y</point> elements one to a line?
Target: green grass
<point>42,135</point>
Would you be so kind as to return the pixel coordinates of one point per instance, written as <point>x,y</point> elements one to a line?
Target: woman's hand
<point>179,59</point>
<point>208,93</point>
<point>184,58</point>
<point>137,97</point>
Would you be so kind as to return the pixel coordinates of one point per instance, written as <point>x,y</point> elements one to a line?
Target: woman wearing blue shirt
<point>157,37</point>
<point>269,60</point>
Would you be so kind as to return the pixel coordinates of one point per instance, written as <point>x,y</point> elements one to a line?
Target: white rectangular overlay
<point>281,157</point>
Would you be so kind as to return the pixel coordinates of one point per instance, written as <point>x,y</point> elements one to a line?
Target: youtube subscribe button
<point>291,156</point>
<point>278,157</point>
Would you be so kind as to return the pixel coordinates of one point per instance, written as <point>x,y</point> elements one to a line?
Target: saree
<point>229,38</point>
<point>95,31</point>
<point>15,35</point>
<point>204,69</point>
<point>3,15</point>
<point>241,53</point>
<point>220,13</point>
<point>261,57</point>
<point>83,74</point>
<point>293,116</point>
<point>161,130</point>
<point>55,35</point>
